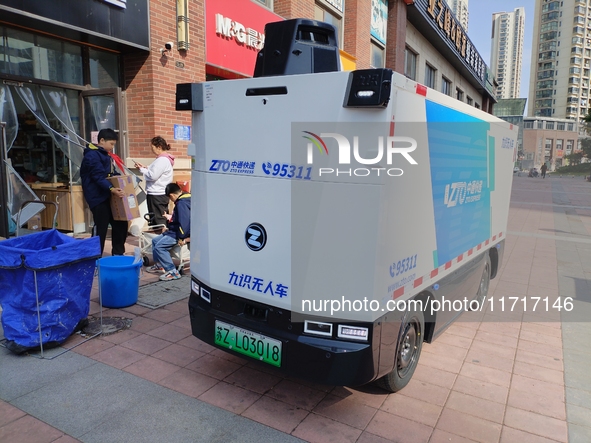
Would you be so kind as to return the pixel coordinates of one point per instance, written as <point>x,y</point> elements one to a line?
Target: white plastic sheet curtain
<point>17,190</point>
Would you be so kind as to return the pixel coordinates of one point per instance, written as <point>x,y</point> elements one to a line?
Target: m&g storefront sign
<point>443,17</point>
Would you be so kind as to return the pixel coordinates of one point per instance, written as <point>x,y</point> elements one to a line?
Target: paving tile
<point>369,395</point>
<point>542,330</point>
<point>183,322</point>
<point>461,329</point>
<point>213,366</point>
<point>483,358</point>
<point>121,336</point>
<point>526,384</point>
<point>443,349</point>
<point>296,394</point>
<point>152,369</point>
<point>345,410</point>
<point>579,434</point>
<point>454,340</point>
<point>440,362</point>
<point>146,344</point>
<point>536,424</point>
<point>66,439</point>
<point>9,413</point>
<point>230,357</point>
<point>28,430</point>
<point>545,339</point>
<point>468,426</point>
<point>367,437</point>
<point>118,357</point>
<point>579,415</point>
<point>252,380</point>
<point>92,347</point>
<point>510,435</point>
<point>497,339</point>
<point>421,390</point>
<point>539,373</point>
<point>317,429</point>
<point>413,409</point>
<point>230,398</point>
<point>178,355</point>
<point>399,429</point>
<point>435,376</point>
<point>501,328</point>
<point>170,333</point>
<point>440,436</point>
<point>491,375</point>
<point>136,310</point>
<point>481,389</point>
<point>540,360</point>
<point>188,382</point>
<point>180,306</point>
<point>494,349</point>
<point>276,414</point>
<point>164,315</point>
<point>478,407</point>
<point>538,402</point>
<point>194,343</point>
<point>145,324</point>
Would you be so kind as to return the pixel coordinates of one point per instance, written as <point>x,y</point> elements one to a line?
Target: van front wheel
<point>410,344</point>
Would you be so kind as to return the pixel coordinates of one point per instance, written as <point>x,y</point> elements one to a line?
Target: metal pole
<point>4,180</point>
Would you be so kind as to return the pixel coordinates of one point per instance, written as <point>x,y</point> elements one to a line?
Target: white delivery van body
<point>314,220</point>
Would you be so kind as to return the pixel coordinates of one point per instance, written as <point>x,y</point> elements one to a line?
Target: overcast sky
<point>480,27</point>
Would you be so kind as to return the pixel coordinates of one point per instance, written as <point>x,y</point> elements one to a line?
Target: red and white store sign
<point>235,33</point>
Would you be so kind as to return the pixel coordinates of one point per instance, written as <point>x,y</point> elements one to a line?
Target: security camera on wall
<point>168,46</point>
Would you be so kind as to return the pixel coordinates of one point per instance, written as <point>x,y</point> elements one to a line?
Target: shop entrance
<point>44,148</point>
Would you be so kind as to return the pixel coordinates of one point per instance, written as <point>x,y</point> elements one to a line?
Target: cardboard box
<point>34,223</point>
<point>125,208</point>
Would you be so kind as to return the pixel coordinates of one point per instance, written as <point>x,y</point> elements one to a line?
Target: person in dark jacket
<point>97,166</point>
<point>178,232</point>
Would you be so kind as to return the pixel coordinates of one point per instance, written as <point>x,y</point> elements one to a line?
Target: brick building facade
<point>107,59</point>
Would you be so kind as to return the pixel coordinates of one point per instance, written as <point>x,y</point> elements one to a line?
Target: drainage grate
<point>110,325</point>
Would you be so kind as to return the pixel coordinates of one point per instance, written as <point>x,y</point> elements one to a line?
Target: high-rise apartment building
<point>460,9</point>
<point>561,60</point>
<point>507,51</point>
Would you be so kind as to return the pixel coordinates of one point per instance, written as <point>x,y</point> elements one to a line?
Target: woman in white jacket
<point>157,176</point>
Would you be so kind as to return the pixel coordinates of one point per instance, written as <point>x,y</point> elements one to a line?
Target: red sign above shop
<point>234,35</point>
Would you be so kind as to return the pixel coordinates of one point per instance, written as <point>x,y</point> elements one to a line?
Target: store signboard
<point>438,16</point>
<point>182,132</point>
<point>379,20</point>
<point>235,34</point>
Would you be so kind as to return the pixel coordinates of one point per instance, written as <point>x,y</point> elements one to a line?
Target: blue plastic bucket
<point>119,280</point>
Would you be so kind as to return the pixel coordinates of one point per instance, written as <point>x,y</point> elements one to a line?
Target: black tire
<point>146,261</point>
<point>483,285</point>
<point>408,353</point>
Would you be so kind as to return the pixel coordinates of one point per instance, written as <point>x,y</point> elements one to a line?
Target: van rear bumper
<point>322,360</point>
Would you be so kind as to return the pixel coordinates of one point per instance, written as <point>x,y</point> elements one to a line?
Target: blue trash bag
<point>50,272</point>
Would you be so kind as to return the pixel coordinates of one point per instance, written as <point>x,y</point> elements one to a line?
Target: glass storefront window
<point>104,69</point>
<point>40,57</point>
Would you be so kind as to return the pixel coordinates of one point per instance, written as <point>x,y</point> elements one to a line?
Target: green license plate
<point>249,343</point>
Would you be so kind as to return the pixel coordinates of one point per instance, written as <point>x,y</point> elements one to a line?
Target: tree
<point>575,158</point>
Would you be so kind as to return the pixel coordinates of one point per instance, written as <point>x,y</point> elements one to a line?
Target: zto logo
<point>255,237</point>
<point>344,152</point>
<point>458,193</point>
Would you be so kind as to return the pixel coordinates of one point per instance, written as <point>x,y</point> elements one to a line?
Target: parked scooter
<point>533,172</point>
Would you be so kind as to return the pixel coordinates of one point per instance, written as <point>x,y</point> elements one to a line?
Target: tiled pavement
<point>501,377</point>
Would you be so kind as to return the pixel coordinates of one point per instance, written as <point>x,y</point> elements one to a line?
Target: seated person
<point>177,232</point>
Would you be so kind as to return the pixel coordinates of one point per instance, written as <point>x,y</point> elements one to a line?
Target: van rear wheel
<point>483,286</point>
<point>407,356</point>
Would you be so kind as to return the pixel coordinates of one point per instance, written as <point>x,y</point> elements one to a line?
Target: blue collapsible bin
<point>45,284</point>
<point>119,280</point>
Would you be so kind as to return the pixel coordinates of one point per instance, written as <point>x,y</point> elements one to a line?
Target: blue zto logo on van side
<point>460,179</point>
